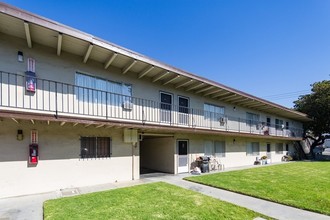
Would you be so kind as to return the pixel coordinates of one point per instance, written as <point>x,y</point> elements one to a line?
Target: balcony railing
<point>66,99</point>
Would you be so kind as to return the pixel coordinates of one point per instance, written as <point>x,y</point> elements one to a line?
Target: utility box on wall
<point>130,135</point>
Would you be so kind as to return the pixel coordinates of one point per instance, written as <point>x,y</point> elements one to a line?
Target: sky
<point>273,49</point>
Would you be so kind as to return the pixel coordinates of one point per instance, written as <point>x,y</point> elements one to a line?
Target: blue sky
<point>272,49</point>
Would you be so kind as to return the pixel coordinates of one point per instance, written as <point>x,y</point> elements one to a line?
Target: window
<point>94,89</point>
<point>213,112</point>
<point>252,149</point>
<point>268,147</point>
<point>252,119</point>
<point>183,110</point>
<point>220,148</point>
<point>279,148</point>
<point>216,148</point>
<point>279,124</point>
<point>95,147</point>
<point>287,147</point>
<point>165,107</point>
<point>183,105</point>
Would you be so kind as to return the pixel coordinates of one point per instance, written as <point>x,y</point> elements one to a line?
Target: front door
<point>183,156</point>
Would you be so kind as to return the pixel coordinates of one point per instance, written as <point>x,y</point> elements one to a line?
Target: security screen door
<point>183,156</point>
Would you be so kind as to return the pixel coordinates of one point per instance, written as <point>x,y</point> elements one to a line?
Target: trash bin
<point>205,164</point>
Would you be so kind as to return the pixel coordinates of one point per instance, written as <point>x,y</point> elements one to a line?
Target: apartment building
<point>76,110</point>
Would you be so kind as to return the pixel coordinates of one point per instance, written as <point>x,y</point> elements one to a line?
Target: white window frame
<point>252,119</point>
<point>97,87</point>
<point>216,114</point>
<point>253,149</point>
<point>210,148</point>
<point>279,147</point>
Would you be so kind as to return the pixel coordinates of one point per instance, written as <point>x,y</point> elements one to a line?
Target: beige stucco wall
<point>158,154</point>
<point>235,150</point>
<point>59,165</point>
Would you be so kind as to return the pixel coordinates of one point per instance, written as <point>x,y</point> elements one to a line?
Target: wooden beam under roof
<point>212,92</point>
<point>62,123</point>
<point>160,76</point>
<point>254,104</point>
<point>32,121</point>
<point>184,83</point>
<point>88,53</point>
<point>87,125</point>
<point>99,126</point>
<point>59,43</point>
<point>146,71</point>
<point>109,126</point>
<point>224,93</point>
<point>75,124</point>
<point>225,97</point>
<point>28,34</point>
<point>15,120</point>
<point>232,98</point>
<point>195,87</point>
<point>128,66</point>
<point>171,80</point>
<point>240,101</point>
<point>205,89</point>
<point>111,59</point>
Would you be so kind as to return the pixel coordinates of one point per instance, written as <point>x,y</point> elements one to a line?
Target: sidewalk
<point>30,207</point>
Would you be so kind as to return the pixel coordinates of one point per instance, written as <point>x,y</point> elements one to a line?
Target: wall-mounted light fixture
<point>234,140</point>
<point>20,135</point>
<point>20,57</point>
<point>234,108</point>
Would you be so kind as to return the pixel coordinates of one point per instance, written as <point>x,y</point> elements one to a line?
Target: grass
<point>305,185</point>
<point>149,201</point>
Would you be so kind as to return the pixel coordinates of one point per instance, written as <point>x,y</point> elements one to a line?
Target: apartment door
<point>165,107</point>
<point>183,110</point>
<point>183,156</point>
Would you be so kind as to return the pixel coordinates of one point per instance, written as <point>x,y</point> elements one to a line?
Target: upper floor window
<point>94,89</point>
<point>252,119</point>
<point>213,112</point>
<point>279,124</point>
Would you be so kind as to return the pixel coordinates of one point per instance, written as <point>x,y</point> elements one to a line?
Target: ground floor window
<point>279,148</point>
<point>252,149</point>
<point>95,147</point>
<point>268,147</point>
<point>215,148</point>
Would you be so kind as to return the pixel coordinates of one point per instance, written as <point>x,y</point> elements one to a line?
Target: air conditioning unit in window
<point>127,105</point>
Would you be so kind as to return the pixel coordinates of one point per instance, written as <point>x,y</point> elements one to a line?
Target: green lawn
<point>149,201</point>
<point>305,185</point>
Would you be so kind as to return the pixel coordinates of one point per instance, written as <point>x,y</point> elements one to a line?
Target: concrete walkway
<point>30,207</point>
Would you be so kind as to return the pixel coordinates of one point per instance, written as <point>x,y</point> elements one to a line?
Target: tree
<point>317,106</point>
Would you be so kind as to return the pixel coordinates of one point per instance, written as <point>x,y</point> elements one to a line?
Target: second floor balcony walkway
<point>57,98</point>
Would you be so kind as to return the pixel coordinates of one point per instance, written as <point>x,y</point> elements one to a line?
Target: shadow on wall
<point>55,142</point>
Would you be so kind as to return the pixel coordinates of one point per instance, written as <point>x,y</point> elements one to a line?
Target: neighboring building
<point>101,113</point>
